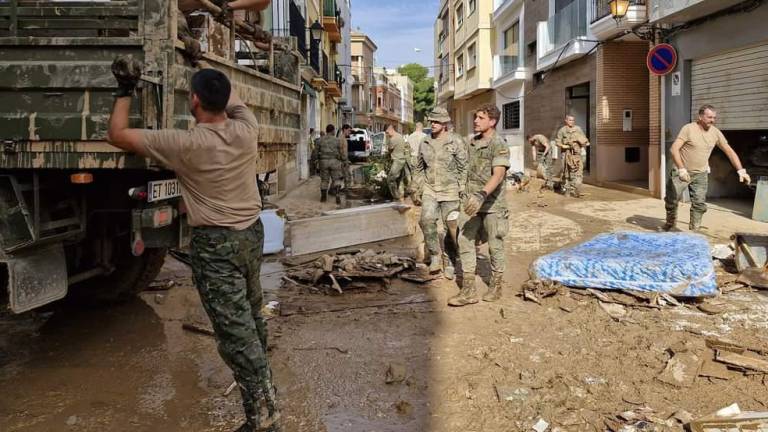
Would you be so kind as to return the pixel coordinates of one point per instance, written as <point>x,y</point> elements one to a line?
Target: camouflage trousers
<point>545,162</point>
<point>399,178</point>
<point>697,189</point>
<point>331,169</point>
<point>433,210</point>
<point>490,226</point>
<point>573,173</point>
<point>226,266</point>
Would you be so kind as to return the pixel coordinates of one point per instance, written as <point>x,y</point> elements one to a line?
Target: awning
<point>308,89</point>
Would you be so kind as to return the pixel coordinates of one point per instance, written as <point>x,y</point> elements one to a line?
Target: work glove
<point>225,16</point>
<point>683,174</point>
<point>474,202</point>
<point>127,72</point>
<point>743,176</point>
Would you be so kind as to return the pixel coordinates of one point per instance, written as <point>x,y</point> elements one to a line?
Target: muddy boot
<point>670,224</point>
<point>323,195</point>
<point>338,195</point>
<point>435,264</point>
<point>494,290</point>
<point>468,293</point>
<point>695,225</point>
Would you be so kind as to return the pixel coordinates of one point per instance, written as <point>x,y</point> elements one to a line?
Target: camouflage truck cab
<point>74,209</point>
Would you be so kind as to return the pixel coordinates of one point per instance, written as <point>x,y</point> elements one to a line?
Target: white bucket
<point>274,231</point>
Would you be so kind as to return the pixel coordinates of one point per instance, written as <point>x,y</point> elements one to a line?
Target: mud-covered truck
<point>74,210</point>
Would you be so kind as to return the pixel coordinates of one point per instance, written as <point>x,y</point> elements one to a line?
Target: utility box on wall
<point>627,121</point>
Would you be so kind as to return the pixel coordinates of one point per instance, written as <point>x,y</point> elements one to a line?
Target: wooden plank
<point>742,361</point>
<point>348,229</point>
<point>392,205</point>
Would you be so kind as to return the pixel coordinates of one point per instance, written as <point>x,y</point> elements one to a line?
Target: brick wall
<point>654,136</point>
<point>622,84</point>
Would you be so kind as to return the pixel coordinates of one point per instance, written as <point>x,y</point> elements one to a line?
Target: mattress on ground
<point>673,263</point>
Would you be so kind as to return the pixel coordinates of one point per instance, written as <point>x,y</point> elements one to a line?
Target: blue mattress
<point>675,263</point>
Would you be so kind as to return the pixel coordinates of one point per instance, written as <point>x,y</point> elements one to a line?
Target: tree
<point>423,89</point>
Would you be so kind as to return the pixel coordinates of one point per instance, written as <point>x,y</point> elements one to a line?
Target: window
<point>472,6</point>
<point>512,40</point>
<point>460,65</point>
<point>512,115</point>
<point>471,56</point>
<point>459,16</point>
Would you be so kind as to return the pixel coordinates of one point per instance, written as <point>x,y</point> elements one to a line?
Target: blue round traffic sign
<point>661,59</point>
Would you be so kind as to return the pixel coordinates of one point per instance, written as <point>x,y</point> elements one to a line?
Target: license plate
<point>163,189</point>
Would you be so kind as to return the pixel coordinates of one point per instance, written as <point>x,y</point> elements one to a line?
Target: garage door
<point>736,83</point>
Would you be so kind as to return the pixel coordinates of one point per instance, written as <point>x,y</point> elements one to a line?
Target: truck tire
<point>132,275</point>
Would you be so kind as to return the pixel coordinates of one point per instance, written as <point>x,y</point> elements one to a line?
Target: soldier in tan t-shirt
<point>216,165</point>
<point>690,152</point>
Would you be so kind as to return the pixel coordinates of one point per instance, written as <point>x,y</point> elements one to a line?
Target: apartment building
<point>405,85</point>
<point>387,100</point>
<point>363,51</point>
<point>445,76</point>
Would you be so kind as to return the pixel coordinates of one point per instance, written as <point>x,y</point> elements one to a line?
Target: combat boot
<point>448,271</point>
<point>435,264</point>
<point>338,195</point>
<point>494,289</point>
<point>670,224</point>
<point>695,225</point>
<point>323,195</point>
<point>468,293</point>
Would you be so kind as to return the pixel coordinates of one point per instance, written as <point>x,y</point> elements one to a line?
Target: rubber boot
<point>448,271</point>
<point>494,290</point>
<point>695,225</point>
<point>468,293</point>
<point>435,264</point>
<point>323,195</point>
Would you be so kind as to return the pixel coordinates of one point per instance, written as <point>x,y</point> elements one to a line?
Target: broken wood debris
<point>536,289</point>
<point>197,328</point>
<point>731,419</point>
<point>338,272</point>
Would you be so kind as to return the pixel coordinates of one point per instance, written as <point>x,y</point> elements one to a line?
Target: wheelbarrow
<point>751,258</point>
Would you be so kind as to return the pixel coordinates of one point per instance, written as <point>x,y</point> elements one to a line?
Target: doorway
<point>577,103</point>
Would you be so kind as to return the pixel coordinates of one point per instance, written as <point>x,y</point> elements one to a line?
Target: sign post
<point>662,59</point>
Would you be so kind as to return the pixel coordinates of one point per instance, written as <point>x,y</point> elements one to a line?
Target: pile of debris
<point>336,273</point>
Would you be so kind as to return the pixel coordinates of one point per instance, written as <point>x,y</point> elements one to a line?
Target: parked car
<point>359,144</point>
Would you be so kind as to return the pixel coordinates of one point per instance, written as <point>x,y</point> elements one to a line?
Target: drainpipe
<point>663,133</point>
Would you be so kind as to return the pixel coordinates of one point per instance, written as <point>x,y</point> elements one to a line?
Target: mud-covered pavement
<point>133,368</point>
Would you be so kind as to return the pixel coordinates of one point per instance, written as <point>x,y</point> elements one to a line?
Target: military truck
<point>75,211</point>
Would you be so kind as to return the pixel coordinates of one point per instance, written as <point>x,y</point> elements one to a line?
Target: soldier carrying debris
<point>541,153</point>
<point>440,174</point>
<point>216,164</point>
<point>485,207</point>
<point>399,175</point>
<point>690,152</point>
<point>330,161</point>
<point>571,140</point>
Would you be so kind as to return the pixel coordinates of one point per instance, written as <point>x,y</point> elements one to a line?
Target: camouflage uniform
<point>440,175</point>
<point>491,220</point>
<point>399,176</point>
<point>226,266</point>
<point>328,156</point>
<point>571,141</point>
<point>544,158</point>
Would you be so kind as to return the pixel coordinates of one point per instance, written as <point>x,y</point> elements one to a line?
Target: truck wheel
<point>132,275</point>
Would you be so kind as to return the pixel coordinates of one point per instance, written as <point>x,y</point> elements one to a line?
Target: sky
<point>398,27</point>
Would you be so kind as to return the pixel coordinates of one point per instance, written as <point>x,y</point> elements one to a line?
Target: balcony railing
<point>568,23</point>
<point>330,9</point>
<point>326,68</point>
<point>314,55</point>
<point>297,27</point>
<point>602,8</point>
<point>505,65</point>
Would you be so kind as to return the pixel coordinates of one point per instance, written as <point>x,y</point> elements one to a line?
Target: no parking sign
<point>662,59</point>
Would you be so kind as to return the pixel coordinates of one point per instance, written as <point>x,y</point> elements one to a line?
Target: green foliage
<point>423,89</point>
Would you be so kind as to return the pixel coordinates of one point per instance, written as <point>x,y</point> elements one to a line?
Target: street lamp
<point>316,30</point>
<point>619,9</point>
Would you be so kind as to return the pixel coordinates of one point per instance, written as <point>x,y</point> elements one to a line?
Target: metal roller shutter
<point>736,83</point>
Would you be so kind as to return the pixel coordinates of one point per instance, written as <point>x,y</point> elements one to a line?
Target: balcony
<point>681,11</point>
<point>333,80</point>
<point>331,21</point>
<point>501,6</point>
<point>443,41</point>
<point>507,68</point>
<point>298,30</point>
<point>563,37</point>
<point>604,27</point>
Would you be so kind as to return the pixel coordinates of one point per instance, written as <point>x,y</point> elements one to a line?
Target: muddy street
<point>486,367</point>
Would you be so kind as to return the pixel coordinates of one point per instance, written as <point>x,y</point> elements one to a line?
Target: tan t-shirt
<point>698,145</point>
<point>216,166</point>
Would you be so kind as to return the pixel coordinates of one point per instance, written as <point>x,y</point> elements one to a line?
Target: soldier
<point>346,130</point>
<point>216,164</point>
<point>328,158</point>
<point>414,141</point>
<point>541,152</point>
<point>571,140</point>
<point>399,175</point>
<point>690,152</point>
<point>485,207</point>
<point>440,175</point>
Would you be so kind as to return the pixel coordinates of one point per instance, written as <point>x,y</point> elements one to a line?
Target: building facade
<point>363,51</point>
<point>387,102</point>
<point>405,85</point>
<point>444,43</point>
